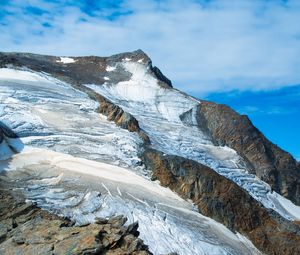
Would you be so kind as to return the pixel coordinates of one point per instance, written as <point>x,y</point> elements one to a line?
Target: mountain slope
<point>266,160</point>
<point>263,158</point>
<point>52,104</point>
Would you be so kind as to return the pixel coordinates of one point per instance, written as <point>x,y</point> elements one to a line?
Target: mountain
<point>105,136</point>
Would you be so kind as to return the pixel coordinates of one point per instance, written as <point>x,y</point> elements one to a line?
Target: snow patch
<point>20,75</point>
<point>292,210</point>
<point>66,60</point>
<point>110,68</point>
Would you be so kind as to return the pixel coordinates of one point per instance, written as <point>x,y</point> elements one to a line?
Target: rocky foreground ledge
<point>27,229</point>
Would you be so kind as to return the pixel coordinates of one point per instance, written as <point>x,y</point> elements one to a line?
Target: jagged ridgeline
<point>92,138</point>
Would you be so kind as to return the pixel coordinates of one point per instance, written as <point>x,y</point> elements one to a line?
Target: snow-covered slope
<point>78,164</point>
<point>168,117</point>
<point>48,113</point>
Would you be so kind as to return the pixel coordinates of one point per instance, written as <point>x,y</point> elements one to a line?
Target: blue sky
<point>275,112</point>
<point>244,53</point>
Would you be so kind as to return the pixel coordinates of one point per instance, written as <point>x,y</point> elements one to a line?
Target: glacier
<point>168,118</point>
<point>89,170</point>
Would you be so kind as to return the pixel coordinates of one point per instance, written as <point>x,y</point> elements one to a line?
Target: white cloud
<point>203,47</point>
<point>266,110</point>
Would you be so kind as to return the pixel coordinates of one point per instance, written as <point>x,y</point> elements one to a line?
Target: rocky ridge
<point>26,229</point>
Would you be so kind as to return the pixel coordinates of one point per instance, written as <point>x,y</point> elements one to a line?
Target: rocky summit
<point>101,155</point>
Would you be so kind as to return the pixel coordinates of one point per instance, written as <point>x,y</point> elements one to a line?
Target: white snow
<point>143,89</point>
<point>106,78</point>
<point>110,68</point>
<point>97,169</point>
<point>292,210</point>
<point>21,75</point>
<point>66,60</point>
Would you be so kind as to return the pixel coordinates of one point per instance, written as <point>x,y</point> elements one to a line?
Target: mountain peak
<point>86,69</point>
<point>97,131</point>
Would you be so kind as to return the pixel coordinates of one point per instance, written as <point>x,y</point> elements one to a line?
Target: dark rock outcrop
<point>265,159</point>
<point>26,229</point>
<point>224,201</point>
<point>120,117</point>
<point>160,76</point>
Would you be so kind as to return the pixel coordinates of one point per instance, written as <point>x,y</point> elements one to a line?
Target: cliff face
<point>224,201</point>
<point>119,116</point>
<point>265,159</point>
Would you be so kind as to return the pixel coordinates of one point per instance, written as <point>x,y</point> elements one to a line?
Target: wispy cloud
<point>203,46</point>
<point>265,110</point>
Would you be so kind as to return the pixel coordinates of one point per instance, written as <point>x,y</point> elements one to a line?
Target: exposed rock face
<point>267,161</point>
<point>26,229</point>
<point>224,201</point>
<point>160,76</point>
<point>119,116</point>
